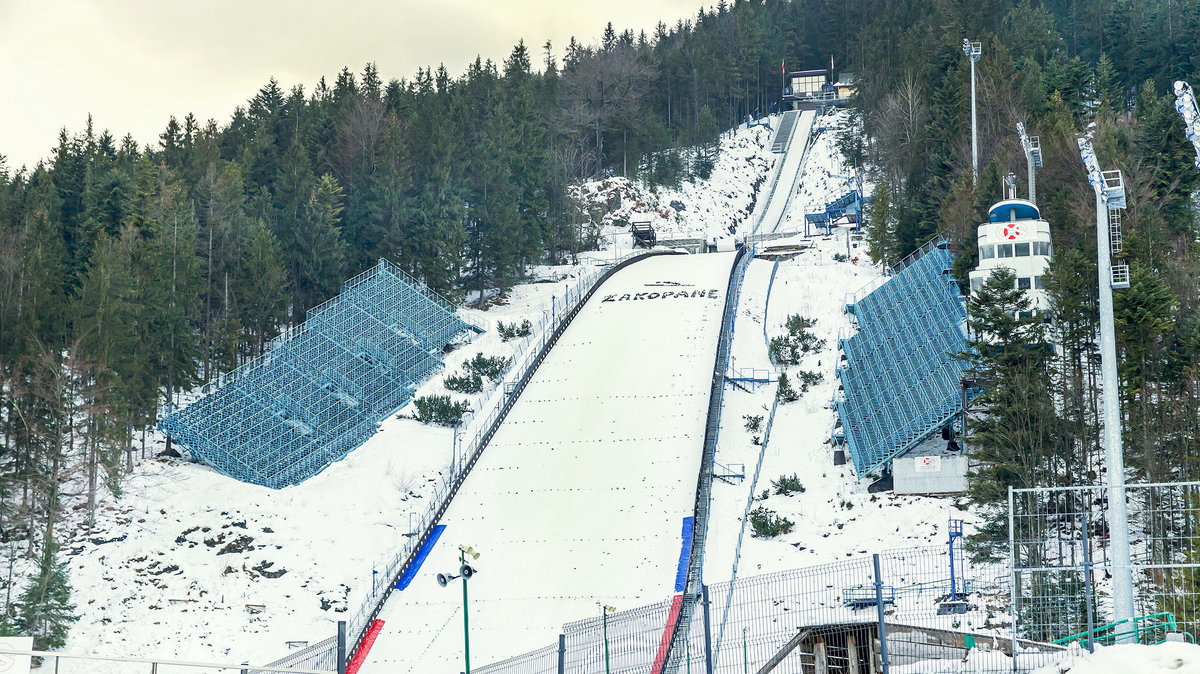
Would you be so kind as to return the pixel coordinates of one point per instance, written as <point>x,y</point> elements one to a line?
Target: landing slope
<point>580,497</point>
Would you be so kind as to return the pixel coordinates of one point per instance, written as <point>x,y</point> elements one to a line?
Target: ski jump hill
<point>586,491</point>
<point>585,496</point>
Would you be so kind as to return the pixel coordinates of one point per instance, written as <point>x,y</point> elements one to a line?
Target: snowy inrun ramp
<point>580,497</point>
<point>787,172</point>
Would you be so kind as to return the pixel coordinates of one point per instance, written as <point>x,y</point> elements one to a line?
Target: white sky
<point>133,63</point>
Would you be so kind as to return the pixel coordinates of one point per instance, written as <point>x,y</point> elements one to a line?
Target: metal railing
<point>765,614</point>
<point>484,424</point>
<point>73,663</point>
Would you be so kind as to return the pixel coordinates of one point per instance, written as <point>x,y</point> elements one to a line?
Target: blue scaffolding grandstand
<point>901,382</point>
<point>322,387</point>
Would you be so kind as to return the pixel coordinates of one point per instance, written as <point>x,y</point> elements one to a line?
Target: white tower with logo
<point>1015,236</point>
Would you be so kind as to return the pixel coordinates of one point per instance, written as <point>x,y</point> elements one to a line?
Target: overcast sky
<point>133,63</point>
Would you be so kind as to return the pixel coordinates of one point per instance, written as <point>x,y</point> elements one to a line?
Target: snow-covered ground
<point>778,197</point>
<point>239,570</point>
<point>703,209</point>
<point>188,563</point>
<point>1168,658</point>
<point>834,516</point>
<point>581,495</point>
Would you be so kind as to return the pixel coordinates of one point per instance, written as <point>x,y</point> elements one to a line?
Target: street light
<point>604,611</point>
<point>973,50</point>
<point>465,571</point>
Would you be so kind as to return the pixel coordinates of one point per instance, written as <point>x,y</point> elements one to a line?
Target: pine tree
<point>313,249</point>
<point>44,610</point>
<point>1015,435</point>
<point>260,291</point>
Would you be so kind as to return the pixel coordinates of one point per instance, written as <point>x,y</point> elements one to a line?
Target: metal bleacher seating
<point>322,387</point>
<point>900,378</point>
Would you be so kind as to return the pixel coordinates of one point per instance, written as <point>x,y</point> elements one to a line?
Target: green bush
<point>509,331</point>
<point>491,367</point>
<point>788,349</point>
<point>767,524</point>
<point>808,379</point>
<point>440,410</point>
<point>467,382</point>
<point>787,485</point>
<point>785,392</point>
<point>753,422</point>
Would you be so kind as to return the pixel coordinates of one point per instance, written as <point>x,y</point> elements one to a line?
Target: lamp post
<point>465,571</point>
<point>604,611</point>
<point>973,51</point>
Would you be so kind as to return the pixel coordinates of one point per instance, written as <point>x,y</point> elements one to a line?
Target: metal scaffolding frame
<point>900,380</point>
<point>322,387</point>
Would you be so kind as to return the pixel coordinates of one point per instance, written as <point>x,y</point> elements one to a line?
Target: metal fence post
<point>562,653</point>
<point>1088,584</point>
<point>883,654</point>
<point>1012,579</point>
<point>708,658</point>
<point>341,647</point>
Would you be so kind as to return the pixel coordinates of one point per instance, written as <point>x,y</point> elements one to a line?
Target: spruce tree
<point>44,610</point>
<point>1015,435</point>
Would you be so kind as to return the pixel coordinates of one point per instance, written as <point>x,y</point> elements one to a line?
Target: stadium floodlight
<point>973,51</point>
<point>1185,105</point>
<point>1033,158</point>
<point>1110,195</point>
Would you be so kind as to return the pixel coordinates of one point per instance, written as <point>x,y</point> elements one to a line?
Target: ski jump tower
<point>1015,236</point>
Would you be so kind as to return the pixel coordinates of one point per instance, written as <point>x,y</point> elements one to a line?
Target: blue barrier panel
<point>419,558</point>
<point>684,552</point>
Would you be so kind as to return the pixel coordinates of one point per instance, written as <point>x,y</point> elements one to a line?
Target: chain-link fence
<point>825,618</point>
<point>1062,571</point>
<point>322,656</point>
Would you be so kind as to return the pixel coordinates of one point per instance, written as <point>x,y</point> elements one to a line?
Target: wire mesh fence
<point>15,660</point>
<point>1062,571</point>
<point>819,619</point>
<point>320,656</point>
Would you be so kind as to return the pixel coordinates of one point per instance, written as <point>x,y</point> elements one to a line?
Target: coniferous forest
<point>130,272</point>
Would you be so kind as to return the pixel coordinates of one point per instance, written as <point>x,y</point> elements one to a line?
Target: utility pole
<point>972,51</point>
<point>1110,195</point>
<point>1033,159</point>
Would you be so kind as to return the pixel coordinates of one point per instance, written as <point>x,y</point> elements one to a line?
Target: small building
<point>816,90</point>
<point>846,85</point>
<point>1015,236</point>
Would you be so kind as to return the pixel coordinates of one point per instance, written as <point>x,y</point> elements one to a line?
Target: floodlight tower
<point>1110,198</point>
<point>1185,103</point>
<point>972,51</point>
<point>1033,159</point>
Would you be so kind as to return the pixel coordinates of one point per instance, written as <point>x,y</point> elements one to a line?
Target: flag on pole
<point>782,70</point>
